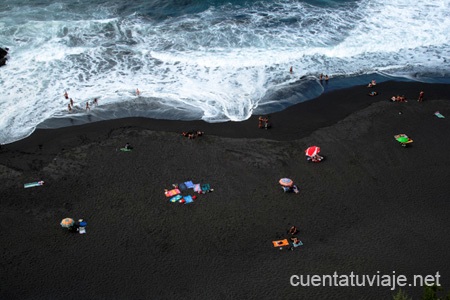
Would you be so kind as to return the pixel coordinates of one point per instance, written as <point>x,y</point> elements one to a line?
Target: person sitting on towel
<point>295,240</point>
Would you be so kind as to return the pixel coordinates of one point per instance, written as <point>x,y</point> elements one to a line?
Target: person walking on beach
<point>66,95</point>
<point>71,102</point>
<point>138,93</point>
<point>95,102</point>
<point>420,96</point>
<point>69,108</point>
<point>87,106</point>
<point>291,70</point>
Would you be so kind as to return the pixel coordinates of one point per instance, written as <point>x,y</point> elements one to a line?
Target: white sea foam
<point>222,64</point>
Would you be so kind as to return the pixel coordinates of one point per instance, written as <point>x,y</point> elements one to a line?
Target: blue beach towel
<point>182,187</point>
<point>188,199</point>
<point>175,198</point>
<point>189,184</point>
<point>298,244</point>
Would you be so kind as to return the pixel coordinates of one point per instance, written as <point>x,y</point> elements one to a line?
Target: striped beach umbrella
<point>311,151</point>
<point>67,222</point>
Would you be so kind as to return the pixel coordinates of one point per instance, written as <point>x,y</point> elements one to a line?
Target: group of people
<point>70,106</point>
<point>291,189</point>
<point>314,158</point>
<point>370,85</point>
<point>398,98</point>
<point>395,98</point>
<point>402,98</point>
<point>263,122</point>
<point>322,77</point>
<point>192,134</point>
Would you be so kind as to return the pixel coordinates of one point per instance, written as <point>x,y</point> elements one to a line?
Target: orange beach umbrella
<point>67,222</point>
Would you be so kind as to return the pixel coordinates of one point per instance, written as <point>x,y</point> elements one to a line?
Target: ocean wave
<point>214,61</point>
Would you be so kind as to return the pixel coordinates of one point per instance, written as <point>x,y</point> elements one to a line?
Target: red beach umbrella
<point>311,151</point>
<point>286,182</point>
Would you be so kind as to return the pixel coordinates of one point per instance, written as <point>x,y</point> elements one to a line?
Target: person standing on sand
<point>87,106</point>
<point>420,96</point>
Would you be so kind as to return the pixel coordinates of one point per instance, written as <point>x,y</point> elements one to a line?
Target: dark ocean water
<point>210,60</point>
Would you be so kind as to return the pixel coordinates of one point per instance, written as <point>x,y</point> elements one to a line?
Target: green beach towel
<point>33,184</point>
<point>439,115</point>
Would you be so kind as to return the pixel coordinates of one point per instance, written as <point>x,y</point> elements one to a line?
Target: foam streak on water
<point>223,62</point>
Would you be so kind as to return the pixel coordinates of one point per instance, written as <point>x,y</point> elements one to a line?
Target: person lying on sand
<point>398,98</point>
<point>293,230</point>
<point>192,134</point>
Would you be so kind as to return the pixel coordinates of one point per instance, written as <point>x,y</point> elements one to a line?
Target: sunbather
<point>293,230</point>
<point>295,241</point>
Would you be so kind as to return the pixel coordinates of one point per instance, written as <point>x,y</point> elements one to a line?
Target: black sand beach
<point>371,206</point>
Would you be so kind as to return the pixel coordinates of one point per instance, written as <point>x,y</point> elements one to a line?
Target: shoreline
<point>327,109</point>
<point>146,108</point>
<point>371,206</point>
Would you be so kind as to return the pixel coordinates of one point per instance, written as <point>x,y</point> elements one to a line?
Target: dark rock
<point>3,54</point>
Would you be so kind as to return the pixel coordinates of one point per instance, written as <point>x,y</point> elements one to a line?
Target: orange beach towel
<point>172,192</point>
<point>280,243</point>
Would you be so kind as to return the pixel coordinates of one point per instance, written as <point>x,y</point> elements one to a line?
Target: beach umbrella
<point>286,182</point>
<point>67,222</point>
<point>311,151</point>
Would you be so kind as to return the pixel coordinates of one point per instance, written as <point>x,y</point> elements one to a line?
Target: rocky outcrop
<point>3,53</point>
